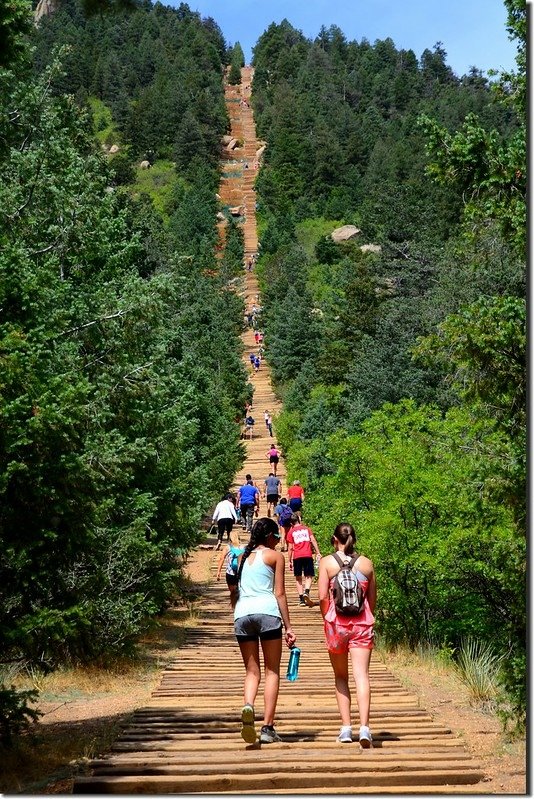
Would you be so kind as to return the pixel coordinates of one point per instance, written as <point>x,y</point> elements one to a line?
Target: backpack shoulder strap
<point>343,563</point>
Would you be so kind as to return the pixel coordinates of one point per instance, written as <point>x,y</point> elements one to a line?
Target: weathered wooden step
<point>289,766</point>
<point>291,783</point>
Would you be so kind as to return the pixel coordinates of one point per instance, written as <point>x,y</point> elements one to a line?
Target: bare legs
<point>272,653</point>
<point>360,668</point>
<point>300,587</point>
<point>340,666</point>
<point>360,659</point>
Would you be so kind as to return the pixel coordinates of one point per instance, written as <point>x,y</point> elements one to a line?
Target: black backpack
<point>346,589</point>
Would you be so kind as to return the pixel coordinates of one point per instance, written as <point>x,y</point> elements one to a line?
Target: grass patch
<point>158,183</point>
<point>478,667</point>
<point>309,231</point>
<point>105,129</point>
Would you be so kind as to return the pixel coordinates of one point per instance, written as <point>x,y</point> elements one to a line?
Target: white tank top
<point>256,589</point>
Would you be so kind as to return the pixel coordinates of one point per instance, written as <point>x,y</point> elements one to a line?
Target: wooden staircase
<point>187,740</point>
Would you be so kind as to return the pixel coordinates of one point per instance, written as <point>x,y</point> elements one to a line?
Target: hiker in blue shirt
<point>248,499</point>
<point>283,514</point>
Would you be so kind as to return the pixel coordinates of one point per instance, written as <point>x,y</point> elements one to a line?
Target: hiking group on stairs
<point>255,574</point>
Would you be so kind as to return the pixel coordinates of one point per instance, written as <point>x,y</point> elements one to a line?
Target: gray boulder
<point>344,233</point>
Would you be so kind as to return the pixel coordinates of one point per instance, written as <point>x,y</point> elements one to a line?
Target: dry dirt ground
<point>91,720</point>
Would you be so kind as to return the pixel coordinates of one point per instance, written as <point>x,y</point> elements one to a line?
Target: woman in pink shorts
<point>349,634</point>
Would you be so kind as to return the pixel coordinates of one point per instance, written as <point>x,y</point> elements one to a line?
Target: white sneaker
<point>345,735</point>
<point>365,737</point>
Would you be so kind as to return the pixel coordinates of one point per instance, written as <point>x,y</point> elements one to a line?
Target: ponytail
<point>345,534</point>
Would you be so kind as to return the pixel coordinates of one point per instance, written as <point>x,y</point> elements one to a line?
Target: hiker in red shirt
<point>302,544</point>
<point>295,497</point>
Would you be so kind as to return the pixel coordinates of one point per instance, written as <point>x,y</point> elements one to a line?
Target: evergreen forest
<point>399,354</point>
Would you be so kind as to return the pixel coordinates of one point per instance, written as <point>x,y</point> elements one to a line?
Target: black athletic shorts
<point>303,566</point>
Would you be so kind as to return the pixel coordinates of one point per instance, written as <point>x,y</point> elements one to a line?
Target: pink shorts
<point>348,635</point>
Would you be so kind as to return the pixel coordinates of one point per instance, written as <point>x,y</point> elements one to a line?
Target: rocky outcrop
<point>344,233</point>
<point>371,248</point>
<point>44,9</point>
<point>145,164</point>
<point>232,144</point>
<point>114,148</point>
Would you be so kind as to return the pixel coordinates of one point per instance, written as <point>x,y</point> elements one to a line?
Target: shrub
<point>478,667</point>
<point>15,713</point>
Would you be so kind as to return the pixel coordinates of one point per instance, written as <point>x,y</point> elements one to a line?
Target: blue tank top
<point>256,589</point>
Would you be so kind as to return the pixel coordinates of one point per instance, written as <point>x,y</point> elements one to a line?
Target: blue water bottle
<point>293,665</point>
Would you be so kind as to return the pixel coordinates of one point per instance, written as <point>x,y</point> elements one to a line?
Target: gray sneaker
<point>345,735</point>
<point>269,735</point>
<point>248,732</point>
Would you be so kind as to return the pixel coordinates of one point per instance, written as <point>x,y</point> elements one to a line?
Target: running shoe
<point>365,737</point>
<point>345,735</point>
<point>248,731</point>
<point>269,735</point>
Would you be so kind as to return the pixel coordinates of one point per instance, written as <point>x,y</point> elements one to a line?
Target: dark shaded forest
<point>399,353</point>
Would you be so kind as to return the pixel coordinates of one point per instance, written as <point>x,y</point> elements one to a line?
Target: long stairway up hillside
<point>187,739</point>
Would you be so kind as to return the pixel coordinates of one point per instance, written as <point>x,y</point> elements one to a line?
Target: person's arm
<point>371,590</point>
<point>281,597</point>
<point>257,499</point>
<point>290,553</point>
<point>215,514</point>
<point>314,544</point>
<point>323,586</point>
<point>224,553</point>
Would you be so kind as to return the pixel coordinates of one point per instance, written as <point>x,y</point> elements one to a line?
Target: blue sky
<point>472,32</point>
